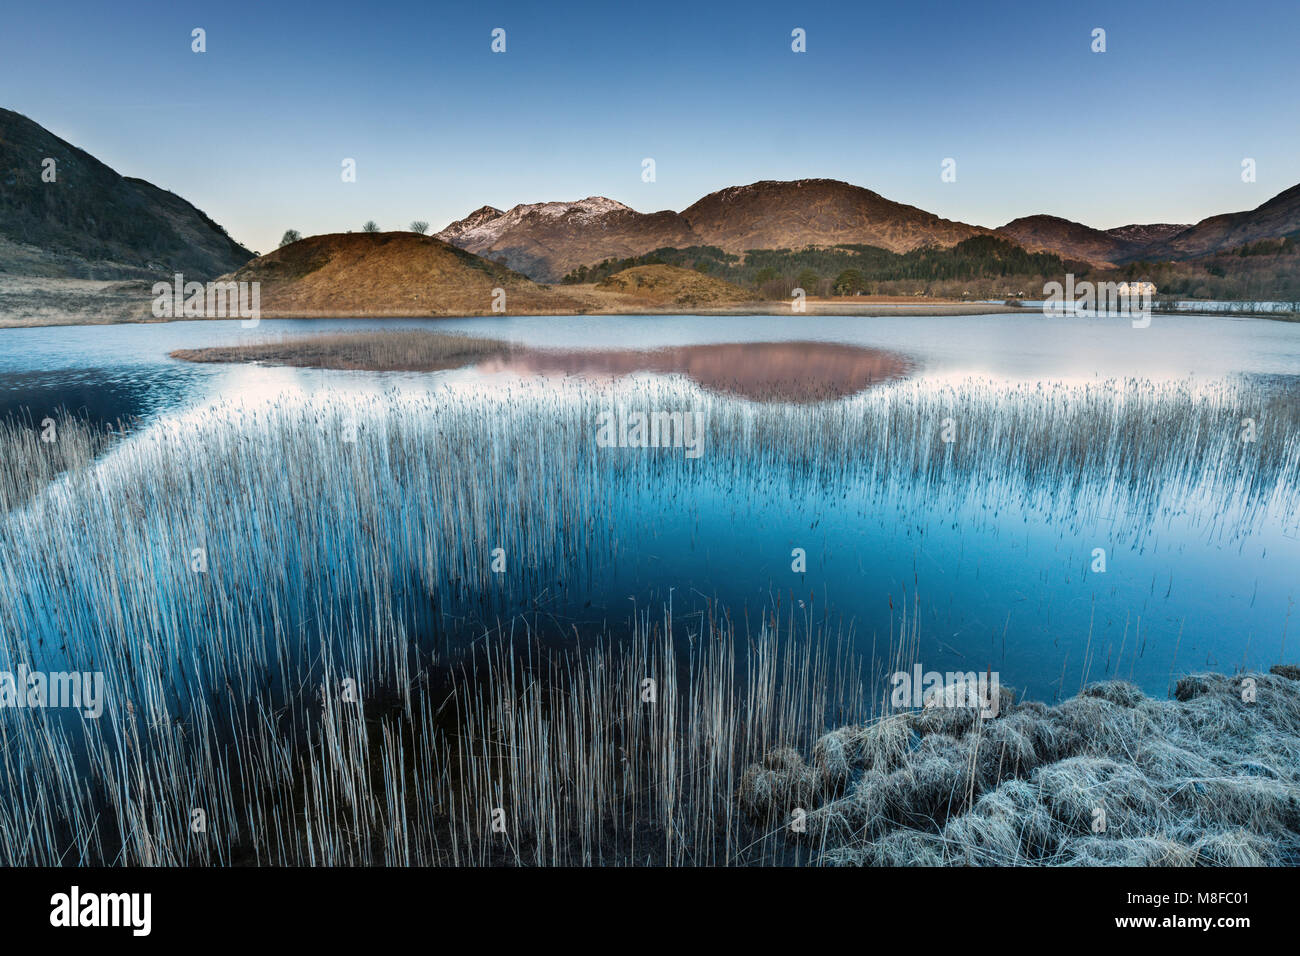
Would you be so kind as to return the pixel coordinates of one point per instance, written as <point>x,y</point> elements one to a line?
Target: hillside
<point>820,212</point>
<point>1156,242</point>
<point>1142,235</point>
<point>1071,239</point>
<point>1074,240</point>
<point>674,285</point>
<point>546,240</point>
<point>981,266</point>
<point>1278,217</point>
<point>91,222</point>
<point>388,274</point>
<point>554,240</point>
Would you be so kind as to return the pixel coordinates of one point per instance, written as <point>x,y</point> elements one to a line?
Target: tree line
<point>846,269</point>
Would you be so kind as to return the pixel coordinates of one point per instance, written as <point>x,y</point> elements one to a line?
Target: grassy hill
<point>665,284</point>
<point>389,274</point>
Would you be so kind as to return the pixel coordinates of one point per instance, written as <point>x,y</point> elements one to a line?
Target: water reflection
<point>760,371</point>
<point>98,395</point>
<point>1001,554</point>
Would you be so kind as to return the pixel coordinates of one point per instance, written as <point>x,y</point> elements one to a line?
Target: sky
<point>254,131</point>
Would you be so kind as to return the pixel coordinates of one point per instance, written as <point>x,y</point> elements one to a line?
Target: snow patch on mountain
<point>1143,234</point>
<point>485,226</point>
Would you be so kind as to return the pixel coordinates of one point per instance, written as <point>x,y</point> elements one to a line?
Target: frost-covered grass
<point>1110,777</point>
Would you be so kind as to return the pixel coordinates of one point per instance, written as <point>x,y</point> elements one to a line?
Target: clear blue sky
<point>254,130</point>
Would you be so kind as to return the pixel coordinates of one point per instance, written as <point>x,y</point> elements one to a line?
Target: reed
<point>36,453</point>
<point>346,681</point>
<point>381,351</point>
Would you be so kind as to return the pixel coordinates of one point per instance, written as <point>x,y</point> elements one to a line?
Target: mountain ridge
<point>549,239</point>
<point>772,214</point>
<point>1274,218</point>
<point>91,221</point>
<point>545,240</point>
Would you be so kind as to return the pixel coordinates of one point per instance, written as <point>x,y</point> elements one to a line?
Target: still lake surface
<point>1007,588</point>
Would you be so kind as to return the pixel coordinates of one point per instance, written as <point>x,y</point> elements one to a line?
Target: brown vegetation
<point>675,285</point>
<point>389,274</point>
<point>387,351</point>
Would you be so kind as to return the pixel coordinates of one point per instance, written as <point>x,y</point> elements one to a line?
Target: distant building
<point>1137,288</point>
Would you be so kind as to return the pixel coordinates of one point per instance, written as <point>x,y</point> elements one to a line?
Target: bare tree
<point>290,236</point>
<point>370,226</point>
<point>420,226</point>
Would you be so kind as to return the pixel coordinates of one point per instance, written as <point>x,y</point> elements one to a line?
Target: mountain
<point>1066,238</point>
<point>1278,217</point>
<point>1074,240</point>
<point>546,240</point>
<point>92,223</point>
<point>389,274</point>
<point>1158,242</point>
<point>470,227</point>
<point>1142,236</point>
<point>819,212</point>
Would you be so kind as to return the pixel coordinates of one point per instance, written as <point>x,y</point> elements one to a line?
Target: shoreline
<point>39,302</point>
<point>773,309</point>
<point>121,316</point>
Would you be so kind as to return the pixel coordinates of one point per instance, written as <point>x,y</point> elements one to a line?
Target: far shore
<point>27,302</point>
<point>111,303</point>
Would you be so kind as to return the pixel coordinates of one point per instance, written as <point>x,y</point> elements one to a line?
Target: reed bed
<point>302,635</point>
<point>410,350</point>
<point>36,453</point>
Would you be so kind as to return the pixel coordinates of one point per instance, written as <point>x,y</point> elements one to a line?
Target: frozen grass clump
<point>1131,851</point>
<point>1008,824</point>
<point>1110,777</point>
<point>1236,848</point>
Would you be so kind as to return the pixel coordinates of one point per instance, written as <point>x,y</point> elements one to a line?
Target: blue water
<point>126,369</point>
<point>1008,588</point>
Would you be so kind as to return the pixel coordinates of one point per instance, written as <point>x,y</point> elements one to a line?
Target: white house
<point>1137,288</point>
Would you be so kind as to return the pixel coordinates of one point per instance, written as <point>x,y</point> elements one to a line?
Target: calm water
<point>1006,587</point>
<point>119,370</point>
